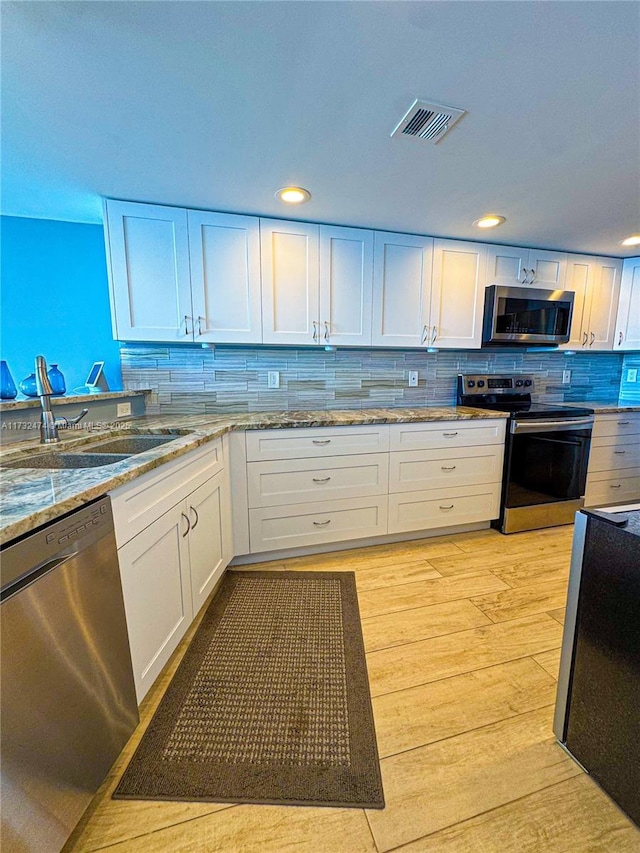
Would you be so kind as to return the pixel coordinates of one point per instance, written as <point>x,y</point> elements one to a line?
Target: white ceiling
<point>217,104</point>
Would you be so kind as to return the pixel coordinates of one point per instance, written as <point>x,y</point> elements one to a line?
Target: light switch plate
<point>123,410</point>
<point>632,374</point>
<point>413,379</point>
<point>273,379</point>
<point>566,377</point>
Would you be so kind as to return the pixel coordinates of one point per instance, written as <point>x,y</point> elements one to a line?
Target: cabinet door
<point>148,253</point>
<point>154,567</point>
<point>225,277</point>
<point>603,303</point>
<point>549,268</point>
<point>507,265</point>
<point>457,294</point>
<point>627,334</point>
<point>401,290</point>
<point>208,509</point>
<point>346,283</point>
<point>580,277</point>
<point>290,282</point>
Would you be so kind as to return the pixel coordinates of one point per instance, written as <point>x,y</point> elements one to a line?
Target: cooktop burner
<point>511,393</point>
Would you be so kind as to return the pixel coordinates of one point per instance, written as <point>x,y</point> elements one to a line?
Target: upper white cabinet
<point>596,284</point>
<point>627,334</point>
<point>513,266</point>
<point>148,253</point>
<point>180,275</point>
<point>457,294</point>
<point>346,282</point>
<point>224,250</point>
<point>402,290</point>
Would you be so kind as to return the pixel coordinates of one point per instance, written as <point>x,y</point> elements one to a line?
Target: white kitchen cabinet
<point>613,475</point>
<point>627,334</point>
<point>457,294</point>
<point>224,251</point>
<point>596,284</point>
<point>148,263</point>
<point>290,282</point>
<point>511,265</point>
<point>209,538</point>
<point>346,283</point>
<point>402,290</point>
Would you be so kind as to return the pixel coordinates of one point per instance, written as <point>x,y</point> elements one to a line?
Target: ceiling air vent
<point>428,121</point>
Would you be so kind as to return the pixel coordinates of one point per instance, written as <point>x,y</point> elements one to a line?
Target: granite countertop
<point>67,399</point>
<point>606,408</point>
<point>30,497</point>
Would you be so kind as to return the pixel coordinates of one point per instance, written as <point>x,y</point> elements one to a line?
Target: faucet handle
<point>43,385</point>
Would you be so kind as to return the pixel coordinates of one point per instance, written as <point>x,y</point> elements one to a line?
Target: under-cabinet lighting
<point>293,195</point>
<point>490,220</point>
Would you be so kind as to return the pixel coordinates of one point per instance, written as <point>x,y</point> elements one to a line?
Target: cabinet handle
<point>593,337</point>
<point>200,325</point>
<point>425,332</point>
<point>449,434</point>
<point>447,468</point>
<point>533,276</point>
<point>523,280</point>
<point>322,523</point>
<point>585,338</point>
<point>434,335</point>
<point>620,338</point>
<point>619,486</point>
<point>447,507</point>
<point>321,479</point>
<point>326,331</point>
<point>315,331</point>
<point>195,512</point>
<point>623,423</point>
<point>619,452</point>
<point>186,325</point>
<point>186,518</point>
<point>321,441</point>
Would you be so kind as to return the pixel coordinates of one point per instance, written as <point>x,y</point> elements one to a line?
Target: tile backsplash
<point>192,379</point>
<point>630,391</point>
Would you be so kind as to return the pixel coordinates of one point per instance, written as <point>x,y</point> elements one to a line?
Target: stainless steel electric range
<point>546,451</point>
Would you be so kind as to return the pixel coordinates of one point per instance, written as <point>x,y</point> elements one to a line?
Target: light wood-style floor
<point>462,636</point>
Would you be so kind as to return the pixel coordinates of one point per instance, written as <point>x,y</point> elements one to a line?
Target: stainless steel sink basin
<point>131,444</point>
<point>65,460</point>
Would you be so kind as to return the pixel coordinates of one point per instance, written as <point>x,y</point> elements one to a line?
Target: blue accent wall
<point>54,299</point>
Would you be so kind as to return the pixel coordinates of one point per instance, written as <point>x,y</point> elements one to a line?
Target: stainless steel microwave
<point>526,315</point>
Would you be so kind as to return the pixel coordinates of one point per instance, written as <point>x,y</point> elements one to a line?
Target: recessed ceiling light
<point>490,220</point>
<point>633,240</point>
<point>293,195</point>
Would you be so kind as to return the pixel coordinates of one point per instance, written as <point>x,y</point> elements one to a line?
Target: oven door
<point>547,461</point>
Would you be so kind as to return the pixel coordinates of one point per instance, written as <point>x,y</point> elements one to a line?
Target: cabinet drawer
<point>424,510</point>
<point>263,445</point>
<point>436,434</point>
<point>608,454</point>
<point>293,526</point>
<point>417,470</point>
<point>138,503</point>
<point>619,424</point>
<point>303,480</point>
<point>603,488</point>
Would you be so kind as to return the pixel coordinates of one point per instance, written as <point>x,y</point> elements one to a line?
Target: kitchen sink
<point>65,460</point>
<point>131,444</point>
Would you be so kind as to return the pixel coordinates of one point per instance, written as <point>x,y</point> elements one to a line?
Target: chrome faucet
<point>49,424</point>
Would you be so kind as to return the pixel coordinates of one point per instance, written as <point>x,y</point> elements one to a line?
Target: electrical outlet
<point>123,410</point>
<point>273,379</point>
<point>413,379</point>
<point>632,374</point>
<point>566,377</point>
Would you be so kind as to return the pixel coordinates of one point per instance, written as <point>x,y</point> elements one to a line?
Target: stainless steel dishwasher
<point>67,692</point>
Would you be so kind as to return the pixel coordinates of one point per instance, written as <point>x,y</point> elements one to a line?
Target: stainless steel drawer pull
<point>447,507</point>
<point>447,467</point>
<point>321,479</point>
<point>186,518</point>
<point>623,423</point>
<point>324,441</point>
<point>619,486</point>
<point>619,452</point>
<point>449,434</point>
<point>195,512</point>
<point>322,523</point>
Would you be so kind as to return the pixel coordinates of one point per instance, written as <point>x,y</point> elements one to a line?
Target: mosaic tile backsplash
<point>630,391</point>
<point>193,380</point>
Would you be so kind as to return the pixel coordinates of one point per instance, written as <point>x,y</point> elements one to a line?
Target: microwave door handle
<point>519,427</point>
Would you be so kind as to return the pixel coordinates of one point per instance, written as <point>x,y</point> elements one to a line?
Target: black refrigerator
<point>597,716</point>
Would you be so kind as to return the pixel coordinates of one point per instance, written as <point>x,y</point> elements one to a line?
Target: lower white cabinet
<point>613,475</point>
<point>443,507</point>
<point>170,567</point>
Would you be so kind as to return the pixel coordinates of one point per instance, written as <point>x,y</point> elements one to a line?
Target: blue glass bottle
<point>56,379</point>
<point>8,390</point>
<point>28,386</point>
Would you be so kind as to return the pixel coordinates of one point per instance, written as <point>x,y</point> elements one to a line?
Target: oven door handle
<point>519,427</point>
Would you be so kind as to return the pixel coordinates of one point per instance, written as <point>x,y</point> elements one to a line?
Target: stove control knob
<point>527,383</point>
<point>480,383</point>
<point>519,383</point>
<point>471,384</point>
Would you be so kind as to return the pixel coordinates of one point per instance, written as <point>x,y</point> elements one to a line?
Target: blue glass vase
<point>56,379</point>
<point>28,386</point>
<point>8,388</point>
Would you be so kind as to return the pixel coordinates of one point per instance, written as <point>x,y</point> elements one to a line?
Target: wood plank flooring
<point>462,636</point>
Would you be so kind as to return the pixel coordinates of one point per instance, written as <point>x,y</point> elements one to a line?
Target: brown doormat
<point>270,703</point>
